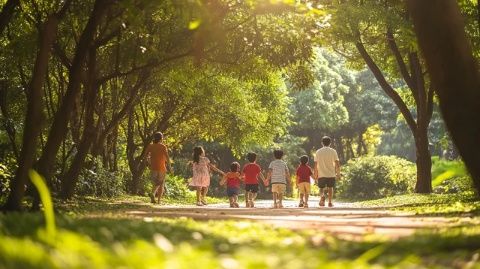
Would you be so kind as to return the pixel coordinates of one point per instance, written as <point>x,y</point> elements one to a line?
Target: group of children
<point>232,179</point>
<point>326,170</point>
<point>278,176</point>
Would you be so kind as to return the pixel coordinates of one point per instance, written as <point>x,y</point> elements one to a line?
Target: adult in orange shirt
<point>159,161</point>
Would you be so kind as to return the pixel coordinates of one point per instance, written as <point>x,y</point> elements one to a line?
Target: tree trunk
<point>454,73</point>
<point>33,117</point>
<point>7,13</point>
<point>340,149</point>
<point>70,178</point>
<point>424,163</point>
<point>59,127</point>
<point>423,100</point>
<point>137,164</point>
<point>360,144</point>
<point>351,153</point>
<point>8,124</point>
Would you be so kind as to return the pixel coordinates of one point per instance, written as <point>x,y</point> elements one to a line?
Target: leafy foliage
<point>4,180</point>
<point>450,176</point>
<point>376,177</point>
<point>99,181</point>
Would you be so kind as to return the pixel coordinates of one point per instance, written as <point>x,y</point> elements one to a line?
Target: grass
<point>176,243</point>
<point>87,237</point>
<point>459,204</point>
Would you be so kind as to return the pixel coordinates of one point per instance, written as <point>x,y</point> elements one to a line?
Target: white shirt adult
<point>327,163</point>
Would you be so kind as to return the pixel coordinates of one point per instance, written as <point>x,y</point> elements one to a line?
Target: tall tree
<point>365,29</point>
<point>454,72</point>
<point>33,116</point>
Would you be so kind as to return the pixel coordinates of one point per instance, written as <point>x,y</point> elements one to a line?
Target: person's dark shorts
<point>232,191</point>
<point>251,188</point>
<point>326,182</point>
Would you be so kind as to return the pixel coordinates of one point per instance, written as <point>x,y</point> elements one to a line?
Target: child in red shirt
<point>232,179</point>
<point>251,171</point>
<point>304,172</point>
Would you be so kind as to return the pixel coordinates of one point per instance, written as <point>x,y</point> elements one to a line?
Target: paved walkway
<point>342,220</point>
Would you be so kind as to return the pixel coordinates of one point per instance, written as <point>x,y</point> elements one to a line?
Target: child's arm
<point>287,175</point>
<point>337,169</point>
<point>216,169</point>
<point>169,164</point>
<point>241,175</point>
<point>262,177</point>
<point>147,155</point>
<point>223,180</point>
<point>269,175</point>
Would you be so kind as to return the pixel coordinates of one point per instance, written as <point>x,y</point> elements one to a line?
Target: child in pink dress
<point>201,174</point>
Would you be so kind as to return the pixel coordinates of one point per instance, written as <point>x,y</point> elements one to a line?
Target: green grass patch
<point>466,203</point>
<point>179,243</point>
<point>86,239</point>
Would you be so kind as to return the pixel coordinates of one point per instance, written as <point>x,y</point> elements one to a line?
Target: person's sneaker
<point>322,201</point>
<point>199,204</point>
<point>280,206</point>
<point>236,205</point>
<point>330,205</point>
<point>232,205</point>
<point>152,198</point>
<point>300,204</point>
<point>305,205</point>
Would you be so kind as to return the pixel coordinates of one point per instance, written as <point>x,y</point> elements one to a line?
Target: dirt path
<point>343,220</point>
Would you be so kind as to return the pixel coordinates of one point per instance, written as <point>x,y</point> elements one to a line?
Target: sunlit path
<point>343,220</point>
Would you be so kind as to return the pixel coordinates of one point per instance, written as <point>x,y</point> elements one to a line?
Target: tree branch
<point>387,88</point>
<point>400,62</point>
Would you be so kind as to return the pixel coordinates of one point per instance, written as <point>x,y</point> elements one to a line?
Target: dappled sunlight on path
<point>344,219</point>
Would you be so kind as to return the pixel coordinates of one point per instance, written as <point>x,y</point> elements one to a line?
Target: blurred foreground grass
<point>85,239</point>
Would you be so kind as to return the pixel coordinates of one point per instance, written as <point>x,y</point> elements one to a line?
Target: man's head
<point>326,141</point>
<point>278,153</point>
<point>157,137</point>
<point>252,157</point>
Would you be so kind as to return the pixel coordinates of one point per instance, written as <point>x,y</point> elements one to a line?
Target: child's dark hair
<point>278,153</point>
<point>234,167</point>
<point>304,159</point>
<point>157,137</point>
<point>326,141</point>
<point>252,157</point>
<point>197,152</point>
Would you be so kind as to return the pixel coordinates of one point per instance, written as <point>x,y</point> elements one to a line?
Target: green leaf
<point>46,199</point>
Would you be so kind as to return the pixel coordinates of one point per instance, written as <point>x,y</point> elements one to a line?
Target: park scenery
<point>234,134</point>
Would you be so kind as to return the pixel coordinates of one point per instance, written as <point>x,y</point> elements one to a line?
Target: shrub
<point>98,181</point>
<point>4,182</point>
<point>450,176</point>
<point>376,177</point>
<point>176,187</point>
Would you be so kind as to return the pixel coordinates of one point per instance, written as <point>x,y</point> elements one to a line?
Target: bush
<point>4,182</point>
<point>450,176</point>
<point>376,177</point>
<point>176,187</point>
<point>98,181</point>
